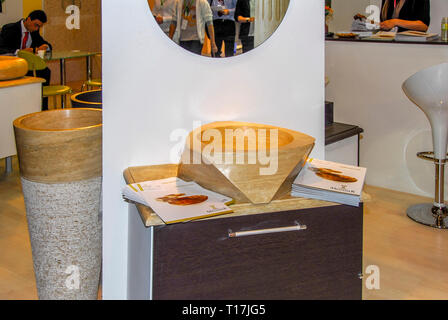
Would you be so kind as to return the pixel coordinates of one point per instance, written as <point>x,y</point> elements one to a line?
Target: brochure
<point>175,200</point>
<point>330,181</point>
<point>419,36</point>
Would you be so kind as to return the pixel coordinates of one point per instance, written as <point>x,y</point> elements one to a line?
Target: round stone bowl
<point>60,161</point>
<point>12,68</point>
<point>59,145</point>
<point>88,99</point>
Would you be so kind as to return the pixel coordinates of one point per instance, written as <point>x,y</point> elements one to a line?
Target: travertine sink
<point>247,161</point>
<point>12,67</point>
<point>45,155</point>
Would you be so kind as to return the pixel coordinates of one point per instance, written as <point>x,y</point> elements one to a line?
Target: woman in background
<point>162,11</point>
<point>190,19</point>
<point>405,15</point>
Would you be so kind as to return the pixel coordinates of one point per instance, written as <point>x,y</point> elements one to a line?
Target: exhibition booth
<point>253,162</point>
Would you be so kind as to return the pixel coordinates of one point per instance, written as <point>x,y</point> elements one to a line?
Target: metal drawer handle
<point>297,227</point>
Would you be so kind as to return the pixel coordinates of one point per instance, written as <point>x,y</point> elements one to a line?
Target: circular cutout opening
<point>237,26</point>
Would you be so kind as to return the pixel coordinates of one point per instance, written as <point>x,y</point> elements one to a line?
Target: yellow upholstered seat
<point>37,63</point>
<point>48,91</point>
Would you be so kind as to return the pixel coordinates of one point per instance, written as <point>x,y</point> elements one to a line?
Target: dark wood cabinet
<point>200,261</point>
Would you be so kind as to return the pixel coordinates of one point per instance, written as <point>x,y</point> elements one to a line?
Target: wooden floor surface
<point>412,259</point>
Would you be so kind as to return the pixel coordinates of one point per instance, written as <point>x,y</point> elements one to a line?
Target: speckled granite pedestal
<point>65,232</point>
<point>60,164</point>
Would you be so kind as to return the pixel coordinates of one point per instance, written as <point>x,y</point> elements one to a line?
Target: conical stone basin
<point>247,161</point>
<point>60,159</point>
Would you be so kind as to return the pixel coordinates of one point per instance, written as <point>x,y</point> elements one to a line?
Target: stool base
<point>422,213</point>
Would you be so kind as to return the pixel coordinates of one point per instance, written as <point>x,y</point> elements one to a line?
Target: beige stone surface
<point>20,82</point>
<point>86,38</point>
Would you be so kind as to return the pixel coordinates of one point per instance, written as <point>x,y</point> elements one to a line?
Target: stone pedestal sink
<point>60,159</point>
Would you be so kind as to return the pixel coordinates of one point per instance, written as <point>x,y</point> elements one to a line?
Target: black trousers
<point>247,43</point>
<point>45,74</point>
<point>224,32</point>
<point>194,46</point>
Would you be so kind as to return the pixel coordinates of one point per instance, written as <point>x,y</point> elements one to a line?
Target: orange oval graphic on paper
<point>179,200</point>
<point>333,175</point>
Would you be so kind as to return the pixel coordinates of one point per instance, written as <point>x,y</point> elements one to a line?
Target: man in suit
<point>24,35</point>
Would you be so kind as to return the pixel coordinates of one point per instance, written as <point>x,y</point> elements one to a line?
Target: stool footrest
<point>426,155</point>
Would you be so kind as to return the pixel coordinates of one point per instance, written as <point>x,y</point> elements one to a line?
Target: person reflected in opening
<point>190,19</point>
<point>245,15</point>
<point>402,15</point>
<point>162,12</point>
<point>224,24</point>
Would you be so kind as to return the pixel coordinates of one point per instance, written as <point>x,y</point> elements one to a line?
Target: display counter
<point>342,143</point>
<point>437,41</point>
<point>18,97</point>
<point>200,260</point>
<point>20,82</point>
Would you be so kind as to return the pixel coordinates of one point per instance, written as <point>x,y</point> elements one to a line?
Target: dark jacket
<point>11,37</point>
<point>243,9</point>
<point>412,10</point>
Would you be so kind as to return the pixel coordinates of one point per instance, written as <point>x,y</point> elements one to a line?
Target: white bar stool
<point>428,89</point>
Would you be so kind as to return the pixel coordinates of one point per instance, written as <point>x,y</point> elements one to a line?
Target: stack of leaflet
<point>330,181</point>
<point>384,35</point>
<point>417,36</point>
<point>175,200</point>
<point>364,28</point>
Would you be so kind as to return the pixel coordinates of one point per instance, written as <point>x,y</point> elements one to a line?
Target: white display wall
<point>153,88</point>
